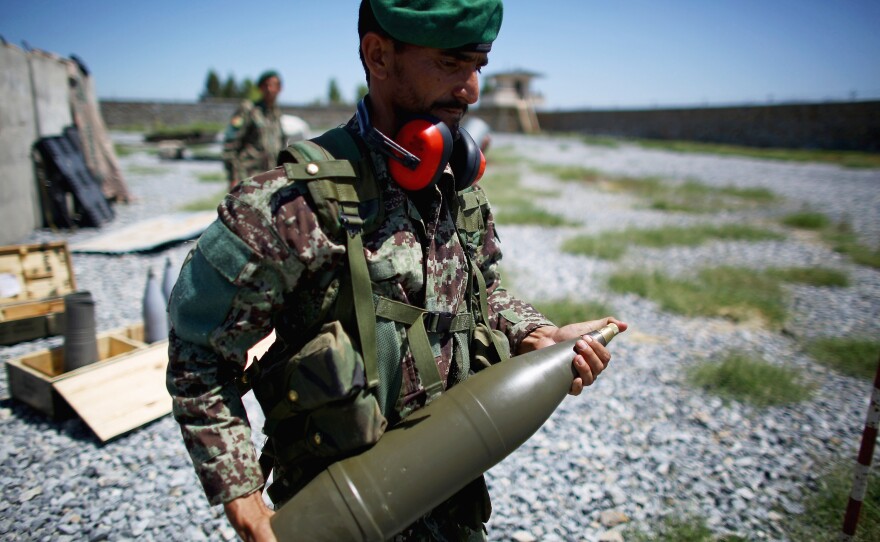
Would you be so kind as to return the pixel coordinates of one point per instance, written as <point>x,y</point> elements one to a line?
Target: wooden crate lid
<point>127,391</point>
<point>120,394</point>
<point>35,272</point>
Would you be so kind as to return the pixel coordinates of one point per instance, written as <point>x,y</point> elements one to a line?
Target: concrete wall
<point>27,112</point>
<point>839,126</point>
<point>125,113</point>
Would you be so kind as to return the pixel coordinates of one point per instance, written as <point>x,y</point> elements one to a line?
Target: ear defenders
<point>421,150</point>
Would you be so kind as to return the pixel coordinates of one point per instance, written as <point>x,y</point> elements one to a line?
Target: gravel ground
<point>637,446</point>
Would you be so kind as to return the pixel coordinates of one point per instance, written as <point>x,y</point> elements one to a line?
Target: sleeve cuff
<point>229,476</point>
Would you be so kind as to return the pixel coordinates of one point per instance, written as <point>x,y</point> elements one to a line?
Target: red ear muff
<point>467,161</point>
<point>431,142</point>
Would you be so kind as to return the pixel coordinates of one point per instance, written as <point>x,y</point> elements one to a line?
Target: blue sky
<point>590,53</point>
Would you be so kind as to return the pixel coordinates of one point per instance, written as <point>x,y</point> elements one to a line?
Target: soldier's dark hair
<point>367,23</point>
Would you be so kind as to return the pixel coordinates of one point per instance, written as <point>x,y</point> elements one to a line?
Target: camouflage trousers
<point>431,529</point>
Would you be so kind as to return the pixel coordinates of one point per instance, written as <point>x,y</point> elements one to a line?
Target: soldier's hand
<point>590,359</point>
<point>249,516</point>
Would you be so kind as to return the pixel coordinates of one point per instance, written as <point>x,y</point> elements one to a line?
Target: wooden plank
<point>120,394</point>
<point>29,310</point>
<point>34,388</point>
<point>150,234</point>
<point>48,362</point>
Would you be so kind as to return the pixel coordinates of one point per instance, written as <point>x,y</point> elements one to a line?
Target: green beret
<point>267,75</point>
<point>441,24</point>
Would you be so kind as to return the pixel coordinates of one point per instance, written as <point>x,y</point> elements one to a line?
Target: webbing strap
<point>484,307</point>
<point>417,336</point>
<point>362,292</point>
<point>334,180</point>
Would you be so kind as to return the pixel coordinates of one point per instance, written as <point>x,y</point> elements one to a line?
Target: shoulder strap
<point>467,214</point>
<point>338,187</point>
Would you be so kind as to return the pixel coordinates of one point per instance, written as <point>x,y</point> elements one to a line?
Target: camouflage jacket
<point>266,262</point>
<point>252,140</point>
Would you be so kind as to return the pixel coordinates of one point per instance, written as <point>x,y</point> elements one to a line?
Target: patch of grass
<point>502,156</point>
<point>814,276</point>
<point>608,246</point>
<point>679,529</point>
<point>123,150</point>
<point>806,220</point>
<point>146,170</point>
<point>691,196</point>
<point>526,213</point>
<point>749,379</point>
<point>850,159</point>
<point>839,236</point>
<point>514,205</point>
<point>850,356</point>
<point>564,311</point>
<point>843,240</point>
<point>612,245</point>
<point>212,177</point>
<point>823,518</point>
<point>569,173</point>
<point>738,294</point>
<point>504,188</point>
<point>205,204</point>
<point>600,141</point>
<point>177,129</point>
<point>734,293</point>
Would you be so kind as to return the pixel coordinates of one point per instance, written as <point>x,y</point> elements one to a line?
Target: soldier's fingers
<point>584,370</point>
<point>577,386</point>
<point>597,355</point>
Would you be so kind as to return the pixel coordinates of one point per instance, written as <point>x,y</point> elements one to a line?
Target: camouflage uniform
<point>252,140</point>
<point>268,262</point>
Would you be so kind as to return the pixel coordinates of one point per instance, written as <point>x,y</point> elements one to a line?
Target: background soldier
<point>291,251</point>
<point>254,137</point>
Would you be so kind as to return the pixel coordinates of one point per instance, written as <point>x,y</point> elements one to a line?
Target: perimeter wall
<point>833,125</point>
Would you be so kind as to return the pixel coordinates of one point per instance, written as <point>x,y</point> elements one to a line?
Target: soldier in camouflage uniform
<point>273,260</point>
<point>254,137</point>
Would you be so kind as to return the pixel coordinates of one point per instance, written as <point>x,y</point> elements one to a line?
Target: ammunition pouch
<point>324,387</point>
<point>488,347</point>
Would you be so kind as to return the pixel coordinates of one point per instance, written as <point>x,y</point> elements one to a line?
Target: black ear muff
<point>467,161</point>
<point>430,141</point>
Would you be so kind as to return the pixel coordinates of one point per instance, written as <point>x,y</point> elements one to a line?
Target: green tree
<point>333,94</point>
<point>230,88</point>
<point>249,90</point>
<point>361,91</point>
<point>212,85</point>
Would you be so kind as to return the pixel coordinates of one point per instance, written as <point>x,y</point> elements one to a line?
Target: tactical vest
<point>332,397</point>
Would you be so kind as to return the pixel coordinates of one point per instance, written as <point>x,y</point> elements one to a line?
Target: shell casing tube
<point>431,454</point>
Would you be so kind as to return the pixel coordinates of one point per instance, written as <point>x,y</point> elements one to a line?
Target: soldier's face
<point>271,88</point>
<point>436,82</point>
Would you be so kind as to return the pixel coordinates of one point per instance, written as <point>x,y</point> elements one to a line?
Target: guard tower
<point>508,103</point>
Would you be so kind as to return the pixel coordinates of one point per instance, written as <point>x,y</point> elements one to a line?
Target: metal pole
<point>863,466</point>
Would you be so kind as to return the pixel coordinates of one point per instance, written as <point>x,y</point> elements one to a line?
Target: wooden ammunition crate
<point>33,282</point>
<point>123,390</point>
